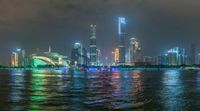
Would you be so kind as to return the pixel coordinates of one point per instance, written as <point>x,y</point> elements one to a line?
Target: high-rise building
<point>160,60</point>
<point>122,35</point>
<point>192,54</point>
<point>14,59</point>
<point>198,58</point>
<point>135,54</point>
<point>116,56</point>
<point>99,57</point>
<point>176,56</point>
<point>18,58</point>
<point>79,54</point>
<point>134,45</point>
<point>148,60</point>
<point>93,46</point>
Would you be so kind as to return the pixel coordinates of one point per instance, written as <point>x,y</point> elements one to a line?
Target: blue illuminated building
<point>122,35</point>
<point>161,60</point>
<point>174,56</point>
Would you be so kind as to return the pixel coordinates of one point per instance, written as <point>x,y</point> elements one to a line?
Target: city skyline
<point>156,27</point>
<point>100,55</point>
<point>122,41</point>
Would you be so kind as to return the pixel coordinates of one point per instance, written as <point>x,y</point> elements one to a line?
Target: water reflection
<point>121,91</point>
<point>38,91</point>
<point>136,90</point>
<point>17,90</point>
<point>172,90</point>
<point>198,80</point>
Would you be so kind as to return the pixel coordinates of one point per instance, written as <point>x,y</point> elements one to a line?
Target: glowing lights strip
<point>45,59</point>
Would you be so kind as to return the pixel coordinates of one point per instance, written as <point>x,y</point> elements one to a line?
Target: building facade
<point>18,58</point>
<point>116,56</point>
<point>79,55</point>
<point>122,35</point>
<point>192,54</point>
<point>99,56</point>
<point>93,46</point>
<point>174,56</point>
<point>135,52</point>
<point>48,59</point>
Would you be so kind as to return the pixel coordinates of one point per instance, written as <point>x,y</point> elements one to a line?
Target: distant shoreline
<point>112,68</point>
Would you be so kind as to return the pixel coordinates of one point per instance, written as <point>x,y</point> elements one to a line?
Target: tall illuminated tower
<point>93,46</point>
<point>122,35</point>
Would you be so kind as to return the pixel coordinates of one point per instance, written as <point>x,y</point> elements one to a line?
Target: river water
<point>137,90</point>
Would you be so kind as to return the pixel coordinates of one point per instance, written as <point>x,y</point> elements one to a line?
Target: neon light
<point>121,21</point>
<point>93,69</point>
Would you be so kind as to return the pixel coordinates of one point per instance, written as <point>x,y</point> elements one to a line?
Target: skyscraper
<point>176,56</point>
<point>98,57</point>
<point>14,59</point>
<point>18,58</point>
<point>122,35</point>
<point>134,51</point>
<point>93,46</point>
<point>192,54</point>
<point>116,56</point>
<point>79,54</point>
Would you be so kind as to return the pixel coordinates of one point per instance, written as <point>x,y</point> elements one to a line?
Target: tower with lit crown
<point>93,47</point>
<point>122,35</point>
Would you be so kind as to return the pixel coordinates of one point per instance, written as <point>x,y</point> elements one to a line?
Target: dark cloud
<point>158,24</point>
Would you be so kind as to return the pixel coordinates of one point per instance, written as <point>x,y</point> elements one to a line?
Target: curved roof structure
<point>49,58</point>
<point>46,60</point>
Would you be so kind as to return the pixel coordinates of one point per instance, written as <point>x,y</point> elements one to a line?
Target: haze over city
<point>99,55</point>
<point>158,25</point>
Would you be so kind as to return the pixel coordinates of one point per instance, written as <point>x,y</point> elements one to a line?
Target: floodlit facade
<point>18,58</point>
<point>14,59</point>
<point>135,52</point>
<point>176,56</point>
<point>48,59</point>
<point>116,56</point>
<point>93,46</point>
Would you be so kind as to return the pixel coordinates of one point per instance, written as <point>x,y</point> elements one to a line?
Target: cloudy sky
<point>157,24</point>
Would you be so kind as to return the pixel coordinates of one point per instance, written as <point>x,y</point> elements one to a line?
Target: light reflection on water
<point>172,93</point>
<point>96,91</point>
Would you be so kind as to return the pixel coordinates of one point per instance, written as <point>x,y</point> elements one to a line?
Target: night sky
<point>157,24</point>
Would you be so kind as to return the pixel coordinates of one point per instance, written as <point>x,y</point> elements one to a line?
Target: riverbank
<point>112,68</point>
